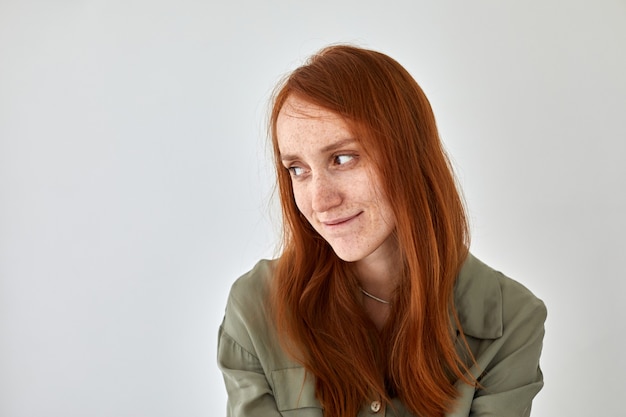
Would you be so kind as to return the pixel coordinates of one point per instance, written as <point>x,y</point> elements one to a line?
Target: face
<point>334,183</point>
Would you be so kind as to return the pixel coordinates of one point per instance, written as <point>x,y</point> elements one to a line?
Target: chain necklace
<point>373,297</point>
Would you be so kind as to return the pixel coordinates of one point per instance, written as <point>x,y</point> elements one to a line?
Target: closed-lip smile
<point>341,220</point>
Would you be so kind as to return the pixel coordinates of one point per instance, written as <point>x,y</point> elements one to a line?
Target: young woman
<point>375,306</point>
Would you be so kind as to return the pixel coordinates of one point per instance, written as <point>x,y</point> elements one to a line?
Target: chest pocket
<point>294,392</point>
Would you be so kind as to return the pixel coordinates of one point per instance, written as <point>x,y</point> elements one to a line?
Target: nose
<point>325,194</point>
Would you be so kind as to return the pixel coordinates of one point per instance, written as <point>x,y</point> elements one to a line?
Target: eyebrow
<point>326,149</point>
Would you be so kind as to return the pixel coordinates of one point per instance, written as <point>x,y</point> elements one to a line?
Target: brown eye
<point>343,159</point>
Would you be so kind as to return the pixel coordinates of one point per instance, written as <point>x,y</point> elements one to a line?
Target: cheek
<point>385,209</point>
<point>389,218</point>
<point>301,200</point>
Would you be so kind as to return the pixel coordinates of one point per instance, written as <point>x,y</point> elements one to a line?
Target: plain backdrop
<point>135,185</point>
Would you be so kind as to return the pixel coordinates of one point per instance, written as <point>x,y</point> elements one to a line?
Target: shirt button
<point>375,406</point>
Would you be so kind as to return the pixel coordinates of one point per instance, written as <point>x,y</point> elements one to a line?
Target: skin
<point>339,193</point>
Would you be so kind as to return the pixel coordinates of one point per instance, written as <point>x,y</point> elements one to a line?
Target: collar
<point>478,299</point>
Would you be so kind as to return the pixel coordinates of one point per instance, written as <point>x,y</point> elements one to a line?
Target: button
<point>375,406</point>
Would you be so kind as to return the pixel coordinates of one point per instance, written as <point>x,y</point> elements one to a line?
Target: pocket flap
<point>294,388</point>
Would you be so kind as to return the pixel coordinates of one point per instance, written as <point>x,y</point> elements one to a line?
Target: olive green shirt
<point>502,321</point>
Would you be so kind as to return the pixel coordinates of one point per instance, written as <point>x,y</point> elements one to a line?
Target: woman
<point>375,305</point>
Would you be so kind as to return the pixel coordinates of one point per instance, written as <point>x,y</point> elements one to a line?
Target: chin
<point>348,255</point>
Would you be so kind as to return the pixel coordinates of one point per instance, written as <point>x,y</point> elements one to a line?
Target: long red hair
<point>316,301</point>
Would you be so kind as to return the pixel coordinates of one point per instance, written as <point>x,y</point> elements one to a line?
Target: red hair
<point>316,301</point>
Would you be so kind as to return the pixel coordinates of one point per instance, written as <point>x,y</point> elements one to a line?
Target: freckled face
<point>334,183</point>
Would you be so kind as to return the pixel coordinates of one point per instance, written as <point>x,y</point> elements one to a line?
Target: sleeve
<point>512,377</point>
<point>249,393</point>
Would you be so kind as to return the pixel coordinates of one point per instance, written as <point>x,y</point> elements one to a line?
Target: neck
<point>379,276</point>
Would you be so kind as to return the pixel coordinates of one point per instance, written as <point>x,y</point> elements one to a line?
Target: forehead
<point>301,124</point>
<point>295,106</point>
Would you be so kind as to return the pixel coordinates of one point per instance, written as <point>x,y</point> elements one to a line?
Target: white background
<point>135,187</point>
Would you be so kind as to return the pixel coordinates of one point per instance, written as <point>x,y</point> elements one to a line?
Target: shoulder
<point>248,320</point>
<point>487,301</point>
<point>503,322</point>
<point>252,288</point>
<point>247,310</point>
<point>249,294</point>
<point>260,377</point>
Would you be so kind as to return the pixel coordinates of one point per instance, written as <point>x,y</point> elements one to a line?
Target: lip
<point>341,220</point>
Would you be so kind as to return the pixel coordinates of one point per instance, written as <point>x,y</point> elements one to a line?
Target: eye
<point>295,171</point>
<point>342,159</point>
